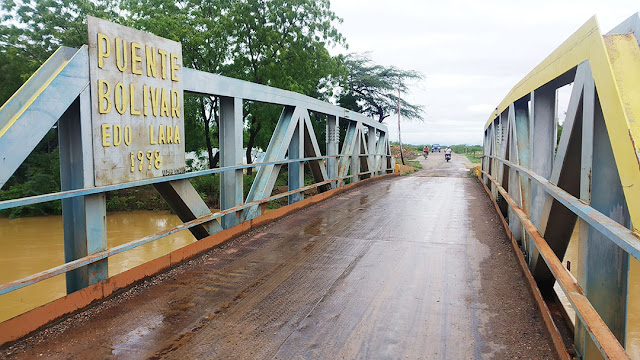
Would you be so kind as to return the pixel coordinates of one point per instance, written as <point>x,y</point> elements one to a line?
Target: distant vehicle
<point>435,147</point>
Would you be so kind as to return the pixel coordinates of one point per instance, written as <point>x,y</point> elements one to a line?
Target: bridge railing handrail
<point>62,86</point>
<point>590,171</point>
<point>618,234</point>
<point>597,328</point>
<point>95,257</point>
<point>37,199</point>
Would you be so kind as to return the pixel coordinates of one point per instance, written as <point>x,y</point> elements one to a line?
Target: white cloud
<point>471,52</point>
<point>483,109</point>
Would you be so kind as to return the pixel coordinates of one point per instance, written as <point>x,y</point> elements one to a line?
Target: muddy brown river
<point>30,245</point>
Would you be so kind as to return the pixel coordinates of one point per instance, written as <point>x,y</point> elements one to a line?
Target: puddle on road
<point>132,340</point>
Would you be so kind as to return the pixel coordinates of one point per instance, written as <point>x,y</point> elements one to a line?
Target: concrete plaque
<point>137,104</point>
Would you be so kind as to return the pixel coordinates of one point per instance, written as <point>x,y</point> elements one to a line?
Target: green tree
<point>372,89</point>
<point>203,29</point>
<point>30,31</point>
<point>282,43</point>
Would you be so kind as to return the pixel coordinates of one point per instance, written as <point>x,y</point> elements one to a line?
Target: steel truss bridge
<point>541,187</point>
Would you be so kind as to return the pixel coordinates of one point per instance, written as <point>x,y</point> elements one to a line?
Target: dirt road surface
<point>409,267</point>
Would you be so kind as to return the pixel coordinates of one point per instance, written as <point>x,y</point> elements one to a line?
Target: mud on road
<point>412,267</point>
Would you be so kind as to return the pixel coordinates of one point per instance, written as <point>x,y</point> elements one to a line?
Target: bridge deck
<point>411,267</point>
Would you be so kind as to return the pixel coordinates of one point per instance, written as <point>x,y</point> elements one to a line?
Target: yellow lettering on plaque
<point>164,103</point>
<point>151,61</point>
<point>155,94</point>
<point>169,134</point>
<point>106,135</point>
<point>161,135</point>
<point>120,98</point>
<point>163,63</point>
<point>104,96</point>
<point>117,135</point>
<point>176,135</point>
<point>121,55</point>
<point>175,104</point>
<point>135,58</point>
<point>134,111</point>
<point>127,135</point>
<point>152,141</point>
<point>174,67</point>
<point>104,49</point>
<point>145,106</point>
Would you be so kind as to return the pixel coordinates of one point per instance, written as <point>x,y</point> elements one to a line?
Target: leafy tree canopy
<point>373,89</point>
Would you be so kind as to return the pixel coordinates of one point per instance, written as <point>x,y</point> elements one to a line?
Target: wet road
<point>413,267</point>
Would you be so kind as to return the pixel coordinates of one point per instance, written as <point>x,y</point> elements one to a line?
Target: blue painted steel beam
<point>604,340</point>
<point>98,256</point>
<point>8,204</point>
<point>230,140</point>
<point>276,151</point>
<point>27,116</point>
<point>84,217</point>
<point>295,171</point>
<point>620,235</point>
<point>200,82</point>
<point>312,149</point>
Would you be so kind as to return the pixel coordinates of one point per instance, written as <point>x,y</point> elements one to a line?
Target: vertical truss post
<point>542,142</point>
<point>381,160</point>
<point>514,188</point>
<point>521,121</point>
<point>582,340</point>
<point>371,149</point>
<point>230,139</point>
<point>333,140</point>
<point>493,167</point>
<point>296,169</point>
<point>604,266</point>
<point>503,144</point>
<point>485,152</point>
<point>84,218</point>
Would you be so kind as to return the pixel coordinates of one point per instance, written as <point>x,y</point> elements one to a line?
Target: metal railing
<point>63,83</point>
<point>544,187</point>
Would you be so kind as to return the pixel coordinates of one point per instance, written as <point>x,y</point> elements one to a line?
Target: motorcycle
<point>447,157</point>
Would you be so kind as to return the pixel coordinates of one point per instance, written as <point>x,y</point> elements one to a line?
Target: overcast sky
<point>471,52</point>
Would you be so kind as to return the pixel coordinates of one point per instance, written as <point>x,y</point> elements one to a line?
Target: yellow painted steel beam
<point>624,56</point>
<point>37,93</point>
<point>615,66</point>
<point>572,52</point>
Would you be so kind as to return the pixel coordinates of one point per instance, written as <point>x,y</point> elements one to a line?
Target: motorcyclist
<point>425,151</point>
<point>447,152</point>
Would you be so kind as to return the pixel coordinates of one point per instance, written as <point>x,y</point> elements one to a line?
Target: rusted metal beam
<point>620,235</point>
<point>556,337</point>
<point>599,332</point>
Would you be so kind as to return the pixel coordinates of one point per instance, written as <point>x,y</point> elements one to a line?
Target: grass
<point>475,157</point>
<point>414,163</point>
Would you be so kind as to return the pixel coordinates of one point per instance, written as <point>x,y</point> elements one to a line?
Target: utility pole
<point>399,138</point>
